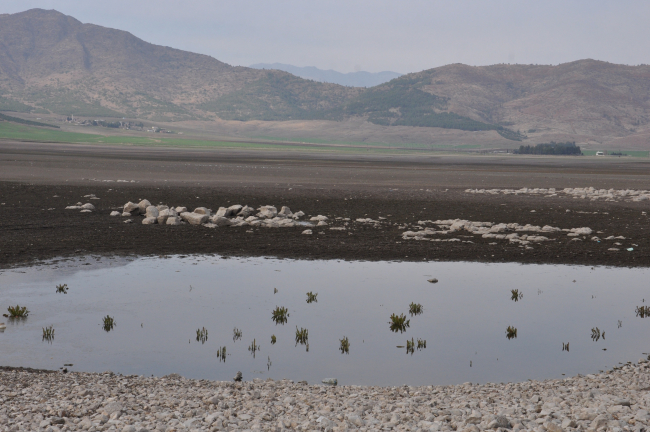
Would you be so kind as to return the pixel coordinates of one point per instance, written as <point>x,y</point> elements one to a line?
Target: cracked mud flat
<point>32,400</point>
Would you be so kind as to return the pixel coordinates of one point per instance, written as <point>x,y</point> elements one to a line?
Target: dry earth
<point>39,180</point>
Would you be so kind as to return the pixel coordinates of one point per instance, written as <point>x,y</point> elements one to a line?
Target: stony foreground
<point>616,400</point>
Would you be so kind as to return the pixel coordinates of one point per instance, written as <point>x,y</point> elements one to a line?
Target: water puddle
<point>365,323</point>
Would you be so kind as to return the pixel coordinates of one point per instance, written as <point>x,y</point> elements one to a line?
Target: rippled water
<point>159,304</point>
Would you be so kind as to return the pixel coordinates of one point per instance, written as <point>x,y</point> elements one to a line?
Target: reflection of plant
<point>302,337</point>
<point>399,323</point>
<point>596,334</point>
<point>109,323</point>
<point>268,363</point>
<point>253,348</point>
<point>17,312</point>
<point>415,309</point>
<point>511,332</point>
<point>345,345</point>
<point>422,344</point>
<point>410,346</point>
<point>48,334</point>
<point>62,289</point>
<point>516,295</point>
<point>221,354</point>
<point>236,334</point>
<point>273,340</point>
<point>280,315</point>
<point>202,335</point>
<point>643,311</point>
<point>565,346</point>
<point>311,297</point>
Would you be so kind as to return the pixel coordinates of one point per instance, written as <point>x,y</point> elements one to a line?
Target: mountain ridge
<point>351,79</point>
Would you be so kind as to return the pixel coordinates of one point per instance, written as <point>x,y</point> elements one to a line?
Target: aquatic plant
<point>253,348</point>
<point>415,309</point>
<point>410,346</point>
<point>108,323</point>
<point>268,363</point>
<point>302,337</point>
<point>62,289</point>
<point>280,315</point>
<point>345,345</point>
<point>48,334</point>
<point>399,323</point>
<point>311,297</point>
<point>221,354</point>
<point>273,340</point>
<point>596,334</point>
<point>422,344</point>
<point>511,332</point>
<point>516,295</point>
<point>202,335</point>
<point>17,312</point>
<point>642,311</point>
<point>565,346</point>
<point>236,334</point>
<point>275,290</point>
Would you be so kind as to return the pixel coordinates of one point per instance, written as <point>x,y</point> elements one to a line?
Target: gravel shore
<point>616,400</point>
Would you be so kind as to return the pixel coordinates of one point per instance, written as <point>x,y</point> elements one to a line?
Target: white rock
<point>131,208</point>
<point>267,211</point>
<point>151,212</point>
<point>173,220</point>
<point>180,210</point>
<point>307,232</point>
<point>202,211</point>
<point>298,215</point>
<point>220,220</point>
<point>194,218</point>
<point>142,205</point>
<point>88,206</point>
<point>149,221</point>
<point>115,213</point>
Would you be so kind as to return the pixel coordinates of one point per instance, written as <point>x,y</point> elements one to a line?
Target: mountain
<point>351,79</point>
<point>50,62</point>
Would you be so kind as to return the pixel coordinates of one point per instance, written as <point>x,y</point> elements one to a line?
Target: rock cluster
<point>616,400</point>
<point>85,208</point>
<point>235,215</point>
<point>583,193</point>
<point>513,232</point>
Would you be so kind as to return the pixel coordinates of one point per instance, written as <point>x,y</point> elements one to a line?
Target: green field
<point>628,153</point>
<point>21,132</point>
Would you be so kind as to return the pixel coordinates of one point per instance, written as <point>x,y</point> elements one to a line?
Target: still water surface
<point>159,303</point>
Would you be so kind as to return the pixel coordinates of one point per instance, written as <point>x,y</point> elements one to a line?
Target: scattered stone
<point>307,232</point>
<point>115,213</point>
<point>149,221</point>
<point>88,206</point>
<point>434,280</point>
<point>194,218</point>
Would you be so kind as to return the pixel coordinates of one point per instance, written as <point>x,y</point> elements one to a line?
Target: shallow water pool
<point>158,305</point>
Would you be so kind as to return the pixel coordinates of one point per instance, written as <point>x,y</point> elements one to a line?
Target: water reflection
<point>202,335</point>
<point>511,332</point>
<point>642,311</point>
<point>253,348</point>
<point>279,315</point>
<point>399,323</point>
<point>302,337</point>
<point>311,297</point>
<point>62,289</point>
<point>236,334</point>
<point>48,334</point>
<point>415,309</point>
<point>345,345</point>
<point>108,323</point>
<point>516,295</point>
<point>596,334</point>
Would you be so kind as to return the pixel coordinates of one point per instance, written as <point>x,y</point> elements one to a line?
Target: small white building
<point>599,153</point>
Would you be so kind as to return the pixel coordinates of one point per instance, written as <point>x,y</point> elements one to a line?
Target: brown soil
<point>35,179</point>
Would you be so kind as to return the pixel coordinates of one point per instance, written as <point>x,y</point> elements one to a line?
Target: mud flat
<point>615,400</point>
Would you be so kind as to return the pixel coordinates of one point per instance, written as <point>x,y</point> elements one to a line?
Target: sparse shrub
<point>17,312</point>
<point>399,323</point>
<point>415,309</point>
<point>202,335</point>
<point>62,289</point>
<point>511,332</point>
<point>108,323</point>
<point>273,340</point>
<point>302,337</point>
<point>236,334</point>
<point>311,297</point>
<point>48,334</point>
<point>280,315</point>
<point>345,345</point>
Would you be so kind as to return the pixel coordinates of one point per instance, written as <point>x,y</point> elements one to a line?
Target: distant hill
<point>52,63</point>
<point>351,79</point>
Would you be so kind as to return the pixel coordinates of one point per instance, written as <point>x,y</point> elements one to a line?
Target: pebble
<point>615,400</point>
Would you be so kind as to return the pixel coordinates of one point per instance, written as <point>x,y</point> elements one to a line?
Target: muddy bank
<point>36,226</point>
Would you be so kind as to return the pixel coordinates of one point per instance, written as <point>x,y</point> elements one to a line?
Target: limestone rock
<point>152,212</point>
<point>202,211</point>
<point>173,220</point>
<point>149,221</point>
<point>180,210</point>
<point>194,218</point>
<point>88,206</point>
<point>131,208</point>
<point>142,205</point>
<point>115,213</point>
<point>267,211</point>
<point>307,232</point>
<point>220,220</point>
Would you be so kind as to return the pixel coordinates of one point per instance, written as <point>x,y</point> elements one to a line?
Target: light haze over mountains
<point>351,79</point>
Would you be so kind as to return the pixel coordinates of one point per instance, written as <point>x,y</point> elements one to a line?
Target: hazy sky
<point>375,35</point>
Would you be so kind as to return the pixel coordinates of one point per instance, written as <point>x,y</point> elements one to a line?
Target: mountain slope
<point>52,61</point>
<point>352,79</point>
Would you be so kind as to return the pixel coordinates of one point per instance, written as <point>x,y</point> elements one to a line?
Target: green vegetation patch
<point>25,122</point>
<point>552,148</point>
<point>12,105</point>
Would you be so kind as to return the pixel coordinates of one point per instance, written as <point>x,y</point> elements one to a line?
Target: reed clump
<point>399,323</point>
<point>62,289</point>
<point>280,315</point>
<point>345,345</point>
<point>108,323</point>
<point>311,297</point>
<point>202,335</point>
<point>48,334</point>
<point>511,332</point>
<point>415,309</point>
<point>17,312</point>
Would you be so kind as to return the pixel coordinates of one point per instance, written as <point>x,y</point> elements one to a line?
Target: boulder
<point>74,207</point>
<point>233,210</point>
<point>267,211</point>
<point>298,215</point>
<point>195,218</point>
<point>202,211</point>
<point>322,223</point>
<point>180,210</point>
<point>115,213</point>
<point>319,218</point>
<point>126,214</point>
<point>88,206</point>
<point>163,215</point>
<point>221,212</point>
<point>173,220</point>
<point>142,205</point>
<point>131,208</point>
<point>246,211</point>
<point>220,221</point>
<point>285,211</point>
<point>151,212</point>
<point>307,232</point>
<point>149,221</point>
<point>161,207</point>
<point>86,211</point>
